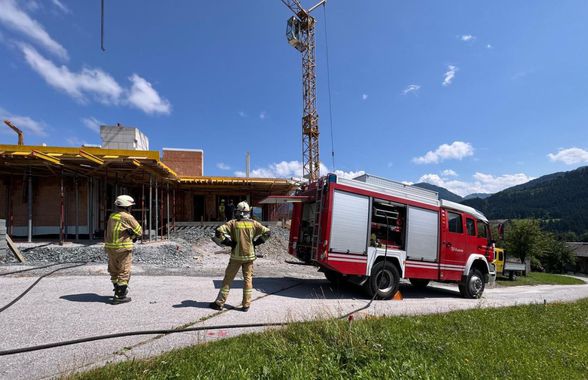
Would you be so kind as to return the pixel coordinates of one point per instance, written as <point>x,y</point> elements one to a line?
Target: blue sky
<point>472,96</point>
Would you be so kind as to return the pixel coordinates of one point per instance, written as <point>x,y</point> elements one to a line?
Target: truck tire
<point>419,283</point>
<point>473,286</point>
<point>384,281</point>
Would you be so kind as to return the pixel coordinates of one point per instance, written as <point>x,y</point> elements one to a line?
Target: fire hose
<point>147,332</point>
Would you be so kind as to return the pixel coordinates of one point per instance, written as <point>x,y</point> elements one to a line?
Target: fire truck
<point>373,231</point>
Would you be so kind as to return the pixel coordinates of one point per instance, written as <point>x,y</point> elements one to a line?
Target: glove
<point>258,241</point>
<point>135,239</point>
<point>229,243</point>
<point>217,241</point>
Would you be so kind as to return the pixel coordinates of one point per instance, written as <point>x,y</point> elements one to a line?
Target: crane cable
<point>329,86</point>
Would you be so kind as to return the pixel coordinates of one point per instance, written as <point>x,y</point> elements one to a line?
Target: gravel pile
<point>193,234</point>
<point>275,248</point>
<point>189,247</point>
<point>176,253</point>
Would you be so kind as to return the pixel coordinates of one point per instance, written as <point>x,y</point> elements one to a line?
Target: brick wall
<point>46,201</point>
<point>184,162</point>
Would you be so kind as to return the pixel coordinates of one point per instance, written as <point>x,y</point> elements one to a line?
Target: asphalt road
<point>76,304</point>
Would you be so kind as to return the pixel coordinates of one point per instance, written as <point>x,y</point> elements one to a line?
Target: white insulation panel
<point>422,234</point>
<point>350,223</point>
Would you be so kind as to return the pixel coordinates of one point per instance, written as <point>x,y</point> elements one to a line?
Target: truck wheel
<point>384,281</point>
<point>419,283</point>
<point>473,286</point>
<point>332,276</point>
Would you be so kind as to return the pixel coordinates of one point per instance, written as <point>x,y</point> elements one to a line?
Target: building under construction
<point>69,191</point>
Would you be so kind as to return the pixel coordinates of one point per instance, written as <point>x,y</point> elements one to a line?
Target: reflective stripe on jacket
<point>243,232</point>
<point>121,229</point>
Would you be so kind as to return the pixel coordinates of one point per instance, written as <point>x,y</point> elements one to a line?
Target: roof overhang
<point>86,161</point>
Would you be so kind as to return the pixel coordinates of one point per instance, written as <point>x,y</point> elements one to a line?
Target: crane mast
<point>300,34</point>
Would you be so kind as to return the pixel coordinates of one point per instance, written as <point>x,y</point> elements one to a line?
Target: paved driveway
<point>73,305</point>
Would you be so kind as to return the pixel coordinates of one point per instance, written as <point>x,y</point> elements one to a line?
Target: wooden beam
<point>150,154</point>
<point>91,157</point>
<point>46,157</point>
<point>15,250</point>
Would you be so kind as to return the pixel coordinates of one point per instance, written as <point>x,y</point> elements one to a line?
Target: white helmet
<point>124,201</point>
<point>243,207</point>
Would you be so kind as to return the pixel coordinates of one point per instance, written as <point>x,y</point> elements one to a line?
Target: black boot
<point>120,295</point>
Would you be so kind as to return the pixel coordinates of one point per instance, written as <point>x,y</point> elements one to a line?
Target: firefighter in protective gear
<point>221,210</point>
<point>122,230</point>
<point>242,234</point>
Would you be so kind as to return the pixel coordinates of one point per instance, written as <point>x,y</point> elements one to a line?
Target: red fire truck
<point>373,232</point>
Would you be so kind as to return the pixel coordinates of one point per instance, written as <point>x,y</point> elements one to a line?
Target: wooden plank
<point>15,249</point>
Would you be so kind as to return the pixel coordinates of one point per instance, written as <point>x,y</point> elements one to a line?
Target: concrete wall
<point>119,137</point>
<point>185,162</point>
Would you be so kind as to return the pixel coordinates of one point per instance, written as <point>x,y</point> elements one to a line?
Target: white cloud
<point>223,166</point>
<point>61,6</point>
<point>449,75</point>
<point>263,115</point>
<point>32,5</point>
<point>349,174</point>
<point>570,156</point>
<point>94,82</point>
<point>454,151</point>
<point>467,37</point>
<point>13,17</point>
<point>448,173</point>
<point>481,183</point>
<point>242,114</point>
<point>25,123</point>
<point>143,96</point>
<point>364,96</point>
<point>92,124</point>
<point>488,46</point>
<point>283,169</point>
<point>97,84</point>
<point>293,169</point>
<point>411,89</point>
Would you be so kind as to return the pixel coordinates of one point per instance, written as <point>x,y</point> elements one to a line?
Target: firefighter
<point>242,234</point>
<point>122,230</point>
<point>221,211</point>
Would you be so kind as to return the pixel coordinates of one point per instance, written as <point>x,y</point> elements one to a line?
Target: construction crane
<point>300,34</point>
<point>15,129</point>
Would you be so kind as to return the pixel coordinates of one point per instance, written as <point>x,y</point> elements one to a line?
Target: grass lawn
<point>538,278</point>
<point>531,342</point>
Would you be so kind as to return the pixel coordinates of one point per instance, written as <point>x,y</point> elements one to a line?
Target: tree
<point>524,239</point>
<point>556,256</point>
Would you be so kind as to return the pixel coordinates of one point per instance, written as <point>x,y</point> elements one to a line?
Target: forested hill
<point>443,192</point>
<point>560,200</point>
